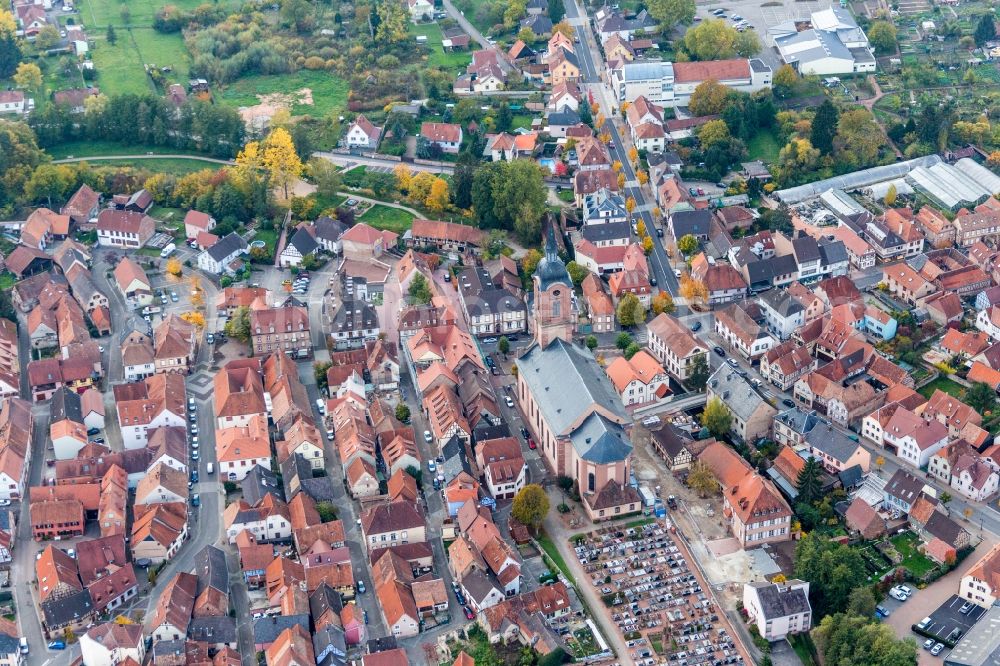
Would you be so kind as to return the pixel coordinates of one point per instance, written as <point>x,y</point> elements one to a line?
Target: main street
<point>588,56</point>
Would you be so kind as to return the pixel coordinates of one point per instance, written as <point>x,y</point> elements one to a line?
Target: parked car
<point>929,643</point>
<point>196,500</point>
<point>57,645</point>
<point>469,615</point>
<point>733,362</point>
<point>905,589</point>
<point>881,611</point>
<point>428,437</point>
<point>719,350</point>
<point>361,587</point>
<point>696,326</point>
<point>510,403</point>
<point>937,649</point>
<point>531,444</point>
<point>173,296</point>
<point>788,402</point>
<point>489,341</point>
<point>524,433</point>
<point>966,607</point>
<point>431,466</point>
<point>5,502</point>
<point>365,613</point>
<point>897,594</point>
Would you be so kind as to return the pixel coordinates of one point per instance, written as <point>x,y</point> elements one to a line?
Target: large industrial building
<point>828,42</point>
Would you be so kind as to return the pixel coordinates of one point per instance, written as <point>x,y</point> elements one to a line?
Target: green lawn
<point>522,121</point>
<point>140,12</point>
<point>329,93</point>
<point>7,281</point>
<point>550,549</point>
<point>764,146</point>
<point>92,148</point>
<point>176,166</point>
<point>384,217</point>
<point>947,385</point>
<point>916,562</point>
<point>438,57</point>
<point>269,236</point>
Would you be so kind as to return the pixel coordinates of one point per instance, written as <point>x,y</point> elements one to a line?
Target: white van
<point>210,468</point>
<point>321,406</point>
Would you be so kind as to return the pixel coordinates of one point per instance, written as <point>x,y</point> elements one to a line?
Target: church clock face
<point>556,292</point>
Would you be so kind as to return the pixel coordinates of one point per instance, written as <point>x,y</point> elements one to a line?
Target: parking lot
<point>643,576</point>
<point>763,16</point>
<point>948,623</point>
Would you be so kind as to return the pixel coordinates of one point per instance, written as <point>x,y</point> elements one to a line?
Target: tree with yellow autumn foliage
<point>693,290</point>
<point>403,178</point>
<point>174,267</point>
<point>437,198</point>
<point>280,159</point>
<point>196,318</point>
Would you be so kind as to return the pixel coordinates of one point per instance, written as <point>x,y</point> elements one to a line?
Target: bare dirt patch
<point>260,114</point>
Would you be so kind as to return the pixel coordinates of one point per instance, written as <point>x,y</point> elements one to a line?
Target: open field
<point>100,13</point>
<point>328,92</point>
<point>384,217</point>
<point>177,167</point>
<point>763,146</point>
<point>92,148</point>
<point>453,61</point>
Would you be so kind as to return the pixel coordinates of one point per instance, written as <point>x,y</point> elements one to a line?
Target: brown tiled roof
<point>444,132</point>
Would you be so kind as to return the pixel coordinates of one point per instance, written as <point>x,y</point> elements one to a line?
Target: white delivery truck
<point>168,250</point>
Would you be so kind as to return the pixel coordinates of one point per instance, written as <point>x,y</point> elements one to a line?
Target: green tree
<point>325,175</point>
<point>702,480</point>
<point>687,244</point>
<point>577,273</point>
<point>505,118</point>
<point>591,342</point>
<point>403,412</point>
<point>529,262</point>
<point>10,45</point>
<point>557,10</point>
<point>461,180</point>
<point>631,311</point>
<point>808,484</point>
<point>713,39</point>
<point>511,195</point>
<point>862,602</point>
<point>503,345</point>
<point>985,28</point>
<point>419,291</point>
<point>709,98</point>
<point>47,37</point>
<point>297,13</point>
<point>858,140</point>
<point>882,35</point>
<point>623,341</point>
<point>981,397</point>
<point>832,569</point>
<point>238,325</point>
<point>855,639</point>
<point>716,417</point>
<point>712,133</point>
<point>632,350</point>
<point>671,13</point>
<point>327,511</point>
<point>531,505</point>
<point>746,44</point>
<point>945,498</point>
<point>28,76</point>
<point>319,374</point>
<point>110,35</point>
<point>824,127</point>
<point>699,373</point>
<point>784,81</point>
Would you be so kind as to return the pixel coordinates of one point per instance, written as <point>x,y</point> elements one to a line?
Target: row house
<point>281,329</point>
<point>154,402</point>
<point>785,364</point>
<point>739,325</point>
<point>675,346</point>
<point>175,344</point>
<point>639,380</point>
<point>124,229</point>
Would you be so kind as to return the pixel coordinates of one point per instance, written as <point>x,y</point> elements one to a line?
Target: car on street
<point>510,403</point>
<point>719,350</point>
<point>431,466</point>
<point>365,613</point>
<point>696,326</point>
<point>173,296</point>
<point>659,232</point>
<point>469,615</point>
<point>329,434</point>
<point>5,502</point>
<point>196,500</point>
<point>937,649</point>
<point>195,455</point>
<point>194,442</point>
<point>733,362</point>
<point>532,445</point>
<point>194,475</point>
<point>788,402</point>
<point>677,272</point>
<point>210,338</point>
<point>489,341</point>
<point>652,280</point>
<point>929,643</point>
<point>524,433</point>
<point>57,645</point>
<point>194,428</point>
<point>428,437</point>
<point>361,587</point>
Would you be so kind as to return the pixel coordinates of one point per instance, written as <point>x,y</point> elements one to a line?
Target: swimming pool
<point>548,163</point>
